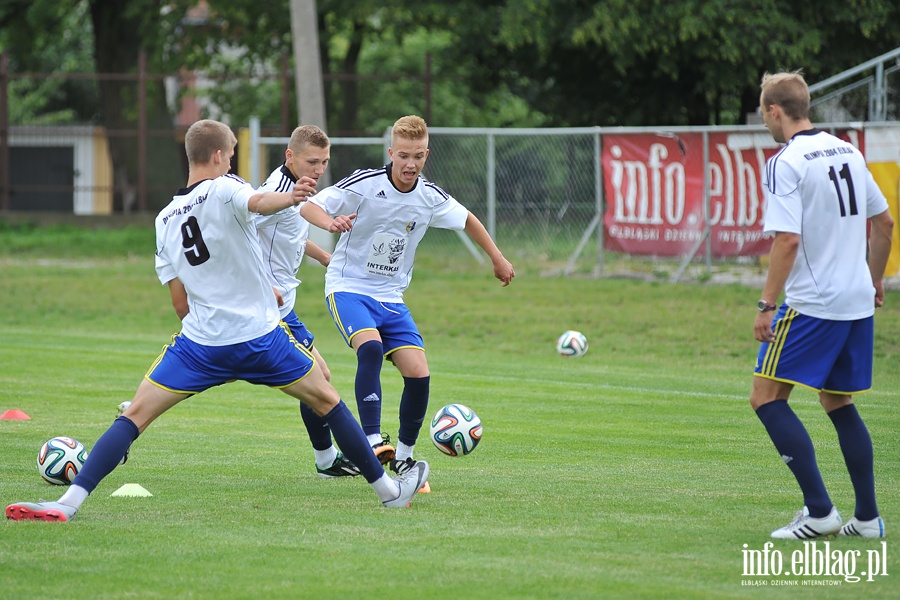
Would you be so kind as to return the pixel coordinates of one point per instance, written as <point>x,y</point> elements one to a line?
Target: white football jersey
<point>819,186</point>
<point>282,237</point>
<point>206,237</point>
<point>376,257</point>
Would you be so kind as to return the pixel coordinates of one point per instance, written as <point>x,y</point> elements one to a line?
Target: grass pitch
<point>637,471</point>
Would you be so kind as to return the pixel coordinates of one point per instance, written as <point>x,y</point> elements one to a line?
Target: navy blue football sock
<point>352,442</point>
<point>316,427</point>
<point>796,448</point>
<point>106,453</point>
<point>369,357</point>
<point>856,445</point>
<point>413,406</point>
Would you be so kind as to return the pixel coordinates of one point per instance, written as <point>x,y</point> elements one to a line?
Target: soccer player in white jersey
<point>284,237</point>
<point>207,247</point>
<point>820,196</point>
<point>382,215</point>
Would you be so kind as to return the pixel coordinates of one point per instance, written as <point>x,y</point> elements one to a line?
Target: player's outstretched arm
<point>879,251</point>
<point>503,269</point>
<point>268,203</point>
<point>317,216</point>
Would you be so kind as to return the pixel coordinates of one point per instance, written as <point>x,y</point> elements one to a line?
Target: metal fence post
<point>491,186</point>
<point>254,151</point>
<point>598,182</point>
<point>707,208</point>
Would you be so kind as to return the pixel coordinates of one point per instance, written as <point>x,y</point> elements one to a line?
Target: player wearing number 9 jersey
<point>209,256</point>
<point>820,196</point>
<point>230,299</point>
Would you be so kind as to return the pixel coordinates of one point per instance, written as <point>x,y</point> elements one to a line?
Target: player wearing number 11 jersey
<point>820,196</point>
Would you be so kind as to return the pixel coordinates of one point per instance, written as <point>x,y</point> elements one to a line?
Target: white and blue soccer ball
<point>455,430</point>
<point>572,343</point>
<point>60,460</point>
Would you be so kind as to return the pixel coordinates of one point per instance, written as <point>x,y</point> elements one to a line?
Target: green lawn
<point>637,471</point>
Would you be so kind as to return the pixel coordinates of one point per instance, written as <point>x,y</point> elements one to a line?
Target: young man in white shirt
<point>208,253</point>
<point>820,196</point>
<point>382,215</point>
<point>284,238</point>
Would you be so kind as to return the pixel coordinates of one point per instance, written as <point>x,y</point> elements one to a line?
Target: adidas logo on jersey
<point>381,194</point>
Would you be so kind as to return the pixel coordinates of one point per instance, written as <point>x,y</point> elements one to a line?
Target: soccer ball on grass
<point>572,343</point>
<point>60,459</point>
<point>455,430</point>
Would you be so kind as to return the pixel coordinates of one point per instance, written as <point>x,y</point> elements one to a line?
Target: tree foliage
<point>646,62</point>
<point>494,62</point>
<point>374,63</point>
<point>48,101</point>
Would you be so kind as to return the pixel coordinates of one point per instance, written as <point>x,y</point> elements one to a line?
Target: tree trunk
<point>349,114</point>
<point>118,42</point>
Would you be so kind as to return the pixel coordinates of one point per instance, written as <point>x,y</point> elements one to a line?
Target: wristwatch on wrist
<point>764,306</point>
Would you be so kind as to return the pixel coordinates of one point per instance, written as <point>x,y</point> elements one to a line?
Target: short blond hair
<point>788,90</point>
<point>410,127</point>
<point>308,135</point>
<point>204,138</point>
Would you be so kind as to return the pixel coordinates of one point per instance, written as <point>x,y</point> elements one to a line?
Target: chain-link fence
<point>536,191</point>
<point>664,203</point>
<point>579,201</point>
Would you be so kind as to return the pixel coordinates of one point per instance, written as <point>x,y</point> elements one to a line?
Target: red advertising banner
<point>653,185</point>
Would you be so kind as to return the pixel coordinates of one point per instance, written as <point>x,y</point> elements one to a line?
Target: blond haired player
<point>820,198</point>
<point>382,215</point>
<point>206,244</point>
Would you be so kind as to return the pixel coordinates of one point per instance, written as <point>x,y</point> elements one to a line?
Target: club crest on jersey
<point>410,226</point>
